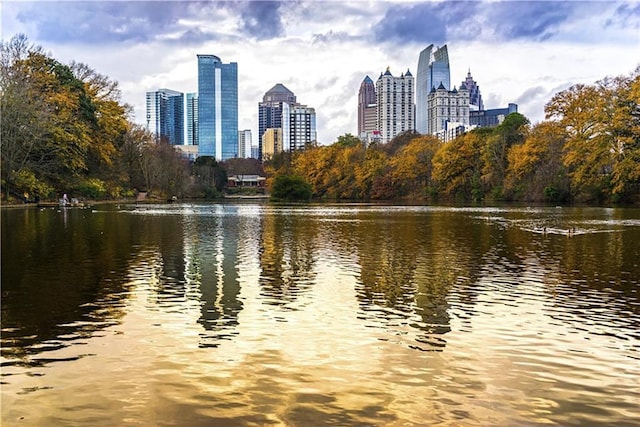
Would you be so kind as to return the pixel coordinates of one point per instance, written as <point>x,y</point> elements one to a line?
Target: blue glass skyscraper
<point>192,119</point>
<point>217,108</point>
<point>165,115</point>
<point>433,69</point>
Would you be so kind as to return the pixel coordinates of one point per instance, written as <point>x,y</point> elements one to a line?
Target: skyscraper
<point>217,108</point>
<point>244,143</point>
<point>475,98</point>
<point>270,110</point>
<point>433,69</point>
<point>165,115</point>
<point>299,127</point>
<point>366,107</point>
<point>395,106</point>
<point>192,119</point>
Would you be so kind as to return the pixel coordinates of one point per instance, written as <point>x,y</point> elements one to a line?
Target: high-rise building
<point>299,127</point>
<point>448,110</point>
<point>433,70</point>
<point>217,108</point>
<point>272,142</point>
<point>366,107</point>
<point>475,98</point>
<point>192,119</point>
<point>244,143</point>
<point>395,105</point>
<point>165,115</point>
<point>270,110</point>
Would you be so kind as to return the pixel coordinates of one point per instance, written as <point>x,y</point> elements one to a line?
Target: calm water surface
<point>251,314</point>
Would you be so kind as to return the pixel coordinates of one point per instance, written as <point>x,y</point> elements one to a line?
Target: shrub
<point>290,187</point>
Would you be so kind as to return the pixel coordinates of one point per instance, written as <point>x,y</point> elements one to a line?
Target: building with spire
<point>448,111</point>
<point>395,106</point>
<point>366,108</point>
<point>165,115</point>
<point>475,98</point>
<point>433,70</point>
<point>217,108</point>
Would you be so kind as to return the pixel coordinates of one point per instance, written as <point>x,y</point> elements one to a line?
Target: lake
<point>258,314</point>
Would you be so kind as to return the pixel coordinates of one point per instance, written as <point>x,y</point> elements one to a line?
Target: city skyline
<point>518,52</point>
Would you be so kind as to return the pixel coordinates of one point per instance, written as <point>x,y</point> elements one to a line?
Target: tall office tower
<point>270,110</point>
<point>217,108</point>
<point>433,69</point>
<point>475,98</point>
<point>244,143</point>
<point>395,106</point>
<point>192,119</point>
<point>298,127</point>
<point>366,107</point>
<point>165,115</point>
<point>448,110</point>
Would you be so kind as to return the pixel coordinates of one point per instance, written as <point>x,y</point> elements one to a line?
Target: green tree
<point>291,188</point>
<point>348,140</point>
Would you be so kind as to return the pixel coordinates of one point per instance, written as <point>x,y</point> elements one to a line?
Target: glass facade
<point>433,69</point>
<point>192,119</point>
<point>165,115</point>
<point>272,110</point>
<point>217,108</point>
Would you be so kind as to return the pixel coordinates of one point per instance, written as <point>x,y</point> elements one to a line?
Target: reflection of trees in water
<point>212,258</point>
<point>286,257</point>
<point>408,266</point>
<point>64,277</point>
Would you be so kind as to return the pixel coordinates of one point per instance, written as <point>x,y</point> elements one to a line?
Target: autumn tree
<point>23,119</point>
<point>370,175</point>
<point>512,131</point>
<point>601,122</point>
<point>411,167</point>
<point>535,170</point>
<point>457,167</point>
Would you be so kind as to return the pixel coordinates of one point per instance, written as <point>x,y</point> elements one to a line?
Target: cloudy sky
<point>517,51</point>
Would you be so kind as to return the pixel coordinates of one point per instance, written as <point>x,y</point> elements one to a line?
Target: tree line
<point>587,150</point>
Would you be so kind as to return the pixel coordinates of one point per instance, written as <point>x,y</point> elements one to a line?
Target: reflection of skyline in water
<point>211,255</point>
<point>415,271</point>
<point>286,257</point>
<point>354,314</point>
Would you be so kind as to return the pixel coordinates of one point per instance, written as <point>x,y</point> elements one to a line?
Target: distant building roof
<point>279,93</point>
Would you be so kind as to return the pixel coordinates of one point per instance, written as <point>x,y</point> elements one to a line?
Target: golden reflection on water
<point>262,315</point>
